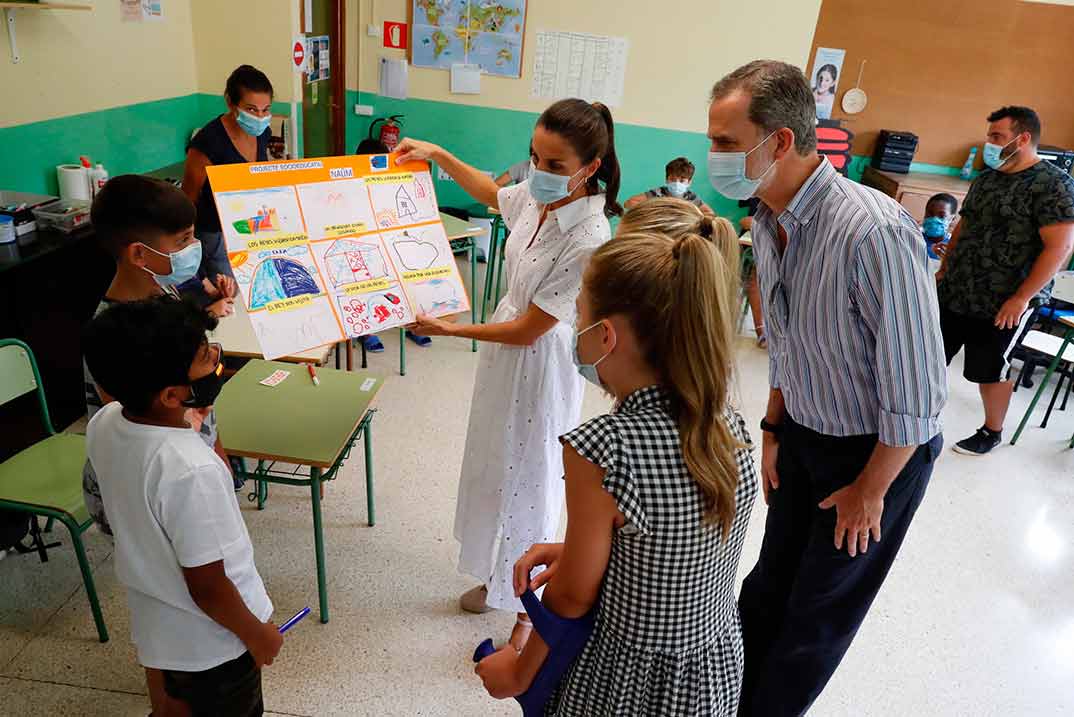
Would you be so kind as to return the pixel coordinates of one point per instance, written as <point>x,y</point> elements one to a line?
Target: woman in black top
<point>239,135</point>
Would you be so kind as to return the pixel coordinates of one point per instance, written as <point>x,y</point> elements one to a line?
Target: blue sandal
<point>419,339</point>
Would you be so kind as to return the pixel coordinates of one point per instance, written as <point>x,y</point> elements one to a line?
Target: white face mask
<point>727,172</point>
<point>678,189</point>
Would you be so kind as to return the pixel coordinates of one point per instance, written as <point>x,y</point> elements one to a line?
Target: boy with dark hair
<point>678,174</point>
<point>940,216</point>
<point>198,606</point>
<point>147,225</point>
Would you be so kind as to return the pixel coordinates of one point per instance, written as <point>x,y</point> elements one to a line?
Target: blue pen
<point>294,618</point>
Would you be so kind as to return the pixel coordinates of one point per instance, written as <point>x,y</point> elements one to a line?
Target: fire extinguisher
<point>389,130</point>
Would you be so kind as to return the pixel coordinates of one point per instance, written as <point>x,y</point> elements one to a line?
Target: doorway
<point>324,117</point>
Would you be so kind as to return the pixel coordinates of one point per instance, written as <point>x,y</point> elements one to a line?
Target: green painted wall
<point>493,139</point>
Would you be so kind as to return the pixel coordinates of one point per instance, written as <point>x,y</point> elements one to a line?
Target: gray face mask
<point>588,370</point>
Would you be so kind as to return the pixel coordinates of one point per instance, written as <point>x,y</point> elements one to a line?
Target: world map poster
<point>329,249</point>
<point>487,33</point>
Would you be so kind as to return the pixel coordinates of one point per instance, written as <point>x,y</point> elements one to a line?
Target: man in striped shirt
<point>857,376</point>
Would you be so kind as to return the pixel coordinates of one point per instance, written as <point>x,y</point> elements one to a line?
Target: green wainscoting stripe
<point>493,139</point>
<point>132,138</point>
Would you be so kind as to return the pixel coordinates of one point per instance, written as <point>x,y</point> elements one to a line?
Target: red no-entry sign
<point>299,54</point>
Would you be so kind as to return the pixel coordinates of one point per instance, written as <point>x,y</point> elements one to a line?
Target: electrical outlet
<point>363,110</point>
<point>374,30</point>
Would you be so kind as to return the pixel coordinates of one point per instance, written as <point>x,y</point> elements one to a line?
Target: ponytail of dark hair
<point>609,166</point>
<point>590,131</point>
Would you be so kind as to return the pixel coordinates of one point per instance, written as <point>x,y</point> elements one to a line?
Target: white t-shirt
<point>170,505</point>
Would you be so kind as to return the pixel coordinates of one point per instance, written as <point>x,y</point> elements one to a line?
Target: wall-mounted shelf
<point>9,9</point>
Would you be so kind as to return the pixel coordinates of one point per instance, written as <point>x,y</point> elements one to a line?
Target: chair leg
<point>87,579</point>
<point>50,521</point>
<point>365,361</point>
<point>1055,395</point>
<point>1066,395</point>
<point>402,352</point>
<point>367,437</point>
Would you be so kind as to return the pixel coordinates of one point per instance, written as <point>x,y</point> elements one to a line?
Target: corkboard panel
<point>937,68</point>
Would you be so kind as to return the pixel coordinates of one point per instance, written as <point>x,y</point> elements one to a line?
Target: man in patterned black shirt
<point>1017,231</point>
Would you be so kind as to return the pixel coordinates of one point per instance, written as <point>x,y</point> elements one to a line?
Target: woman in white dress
<point>529,392</point>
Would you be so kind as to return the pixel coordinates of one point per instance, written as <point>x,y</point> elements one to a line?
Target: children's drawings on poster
<point>329,249</point>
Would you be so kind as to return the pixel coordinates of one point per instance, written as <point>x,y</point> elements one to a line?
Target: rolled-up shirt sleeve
<point>896,296</point>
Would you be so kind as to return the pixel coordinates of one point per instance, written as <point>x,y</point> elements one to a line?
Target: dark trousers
<point>232,689</point>
<point>803,602</point>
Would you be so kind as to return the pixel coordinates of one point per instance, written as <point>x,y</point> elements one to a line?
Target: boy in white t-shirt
<point>198,607</point>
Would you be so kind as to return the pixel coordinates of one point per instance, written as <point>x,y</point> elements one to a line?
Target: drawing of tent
<point>349,261</point>
<point>280,278</point>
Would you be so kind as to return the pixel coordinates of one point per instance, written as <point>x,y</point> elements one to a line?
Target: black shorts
<point>232,689</point>
<point>988,349</point>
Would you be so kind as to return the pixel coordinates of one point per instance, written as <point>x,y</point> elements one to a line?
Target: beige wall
<point>677,50</point>
<point>229,33</point>
<point>78,61</point>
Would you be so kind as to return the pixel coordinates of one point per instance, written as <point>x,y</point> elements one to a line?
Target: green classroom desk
<point>311,428</point>
<point>461,235</point>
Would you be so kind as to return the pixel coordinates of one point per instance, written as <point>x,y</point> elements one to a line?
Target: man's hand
<point>940,249</point>
<point>769,451</point>
<point>858,514</point>
<point>264,644</point>
<point>1011,312</point>
<point>499,673</point>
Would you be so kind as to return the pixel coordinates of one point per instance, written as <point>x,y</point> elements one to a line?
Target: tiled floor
<point>977,617</point>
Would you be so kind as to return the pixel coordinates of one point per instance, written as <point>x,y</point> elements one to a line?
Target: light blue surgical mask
<point>934,227</point>
<point>253,125</point>
<point>677,189</point>
<point>547,188</point>
<point>588,370</point>
<point>727,172</point>
<point>185,263</point>
<point>993,154</point>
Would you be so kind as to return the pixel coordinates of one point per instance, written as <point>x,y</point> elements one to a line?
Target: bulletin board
<point>937,68</point>
<point>335,248</point>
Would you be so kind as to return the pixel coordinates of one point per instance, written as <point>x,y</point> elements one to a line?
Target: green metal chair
<point>494,267</point>
<point>46,478</point>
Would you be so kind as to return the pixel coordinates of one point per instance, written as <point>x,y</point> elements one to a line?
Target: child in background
<point>372,342</point>
<point>940,213</point>
<point>659,491</point>
<point>198,606</point>
<point>517,173</point>
<point>678,174</point>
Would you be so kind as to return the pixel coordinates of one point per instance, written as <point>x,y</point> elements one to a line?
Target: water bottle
<point>967,167</point>
<point>7,229</point>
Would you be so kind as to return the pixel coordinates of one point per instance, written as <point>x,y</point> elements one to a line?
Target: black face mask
<point>204,391</point>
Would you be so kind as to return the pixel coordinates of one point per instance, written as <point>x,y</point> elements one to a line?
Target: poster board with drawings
<point>334,248</point>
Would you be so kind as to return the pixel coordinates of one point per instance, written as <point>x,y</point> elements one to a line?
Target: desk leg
<point>1043,382</point>
<point>367,436</point>
<point>473,290</point>
<point>350,355</point>
<point>337,357</point>
<point>365,362</point>
<point>318,540</point>
<point>402,352</point>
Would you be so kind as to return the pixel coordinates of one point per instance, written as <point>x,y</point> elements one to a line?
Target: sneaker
<point>372,344</point>
<point>420,340</point>
<point>979,443</point>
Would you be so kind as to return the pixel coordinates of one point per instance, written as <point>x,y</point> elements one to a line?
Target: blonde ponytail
<point>680,296</point>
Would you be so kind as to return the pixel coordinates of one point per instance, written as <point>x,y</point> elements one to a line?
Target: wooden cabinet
<point>913,190</point>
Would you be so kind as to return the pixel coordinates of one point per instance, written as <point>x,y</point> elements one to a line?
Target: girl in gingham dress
<point>658,492</point>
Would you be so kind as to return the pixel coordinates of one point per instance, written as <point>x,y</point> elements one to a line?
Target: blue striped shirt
<point>851,314</point>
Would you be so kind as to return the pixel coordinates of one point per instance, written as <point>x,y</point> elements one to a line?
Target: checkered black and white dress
<point>668,640</point>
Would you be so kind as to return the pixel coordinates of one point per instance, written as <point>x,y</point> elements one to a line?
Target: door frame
<point>337,38</point>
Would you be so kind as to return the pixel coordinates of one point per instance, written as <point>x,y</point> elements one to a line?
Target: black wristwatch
<point>771,428</point>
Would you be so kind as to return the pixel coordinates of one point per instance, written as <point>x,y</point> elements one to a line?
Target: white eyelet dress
<point>668,638</point>
<point>510,490</point>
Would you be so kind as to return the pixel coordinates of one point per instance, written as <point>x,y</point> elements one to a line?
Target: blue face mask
<point>934,228</point>
<point>185,263</point>
<point>727,172</point>
<point>677,189</point>
<point>547,188</point>
<point>253,125</point>
<point>588,370</point>
<point>993,154</point>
